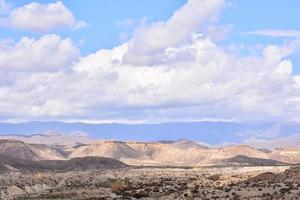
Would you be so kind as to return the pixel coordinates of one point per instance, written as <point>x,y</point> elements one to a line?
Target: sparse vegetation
<point>214,177</point>
<point>155,183</point>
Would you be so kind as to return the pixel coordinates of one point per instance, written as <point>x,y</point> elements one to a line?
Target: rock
<point>39,188</point>
<point>141,194</point>
<point>113,196</point>
<point>4,195</point>
<point>15,191</point>
<point>29,190</point>
<point>61,184</point>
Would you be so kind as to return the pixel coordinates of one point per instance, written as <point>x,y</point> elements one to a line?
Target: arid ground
<point>279,182</point>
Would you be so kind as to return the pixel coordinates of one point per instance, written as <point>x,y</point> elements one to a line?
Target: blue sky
<point>165,60</point>
<point>103,16</point>
<point>256,15</point>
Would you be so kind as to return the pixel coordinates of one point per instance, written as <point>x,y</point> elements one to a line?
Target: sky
<point>150,61</point>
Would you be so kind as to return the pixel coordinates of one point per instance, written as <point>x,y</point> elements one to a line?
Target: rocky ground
<point>156,183</point>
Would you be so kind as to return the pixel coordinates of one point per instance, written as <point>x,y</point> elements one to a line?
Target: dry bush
<point>117,186</point>
<point>214,177</point>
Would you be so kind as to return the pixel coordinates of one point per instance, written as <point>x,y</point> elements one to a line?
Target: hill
<point>111,149</point>
<point>252,161</point>
<point>172,153</point>
<point>22,150</point>
<point>9,164</point>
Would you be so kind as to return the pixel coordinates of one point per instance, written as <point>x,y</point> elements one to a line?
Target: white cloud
<point>190,77</point>
<point>48,53</point>
<point>219,32</point>
<point>131,23</point>
<point>148,42</point>
<point>42,17</point>
<point>128,26</point>
<point>212,84</point>
<point>276,33</point>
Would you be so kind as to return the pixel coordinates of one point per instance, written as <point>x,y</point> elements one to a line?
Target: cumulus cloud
<point>42,17</point>
<point>48,53</point>
<point>148,42</point>
<point>190,77</point>
<point>276,33</point>
<point>211,83</point>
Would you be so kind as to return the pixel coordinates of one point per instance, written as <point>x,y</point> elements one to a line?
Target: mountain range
<point>260,135</point>
<point>160,153</point>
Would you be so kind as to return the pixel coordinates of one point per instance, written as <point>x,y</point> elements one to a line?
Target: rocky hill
<point>289,155</point>
<point>22,150</point>
<point>176,153</point>
<point>112,149</point>
<point>10,164</point>
<point>180,153</point>
<point>251,161</point>
<point>82,164</point>
<point>172,153</point>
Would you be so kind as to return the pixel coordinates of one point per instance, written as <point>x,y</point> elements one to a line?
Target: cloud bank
<point>168,71</point>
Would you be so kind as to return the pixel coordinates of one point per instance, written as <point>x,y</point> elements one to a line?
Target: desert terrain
<point>78,167</point>
<point>150,100</point>
<point>183,152</point>
<point>155,183</point>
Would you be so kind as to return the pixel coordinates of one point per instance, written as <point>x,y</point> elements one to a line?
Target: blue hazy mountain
<point>208,132</point>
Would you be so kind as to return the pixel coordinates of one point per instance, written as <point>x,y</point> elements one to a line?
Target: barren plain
<point>279,182</point>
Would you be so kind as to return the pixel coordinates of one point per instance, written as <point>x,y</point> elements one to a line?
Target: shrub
<point>214,177</point>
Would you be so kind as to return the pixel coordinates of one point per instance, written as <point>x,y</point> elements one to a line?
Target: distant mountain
<point>175,153</point>
<point>289,141</point>
<point>265,150</point>
<point>214,133</point>
<point>260,135</point>
<point>245,150</point>
<point>22,150</point>
<point>112,149</point>
<point>53,138</point>
<point>178,153</point>
<point>187,144</point>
